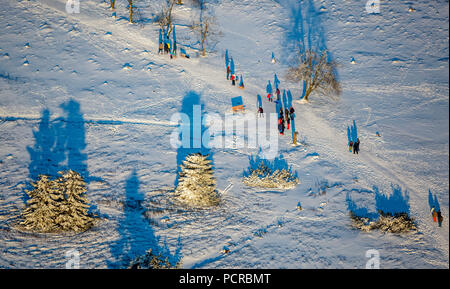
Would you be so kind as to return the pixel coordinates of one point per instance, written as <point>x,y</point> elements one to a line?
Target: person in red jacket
<point>434,214</point>
<point>233,79</point>
<point>228,72</point>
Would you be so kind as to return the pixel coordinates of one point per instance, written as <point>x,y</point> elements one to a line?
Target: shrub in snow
<point>152,261</point>
<point>196,185</point>
<point>399,223</point>
<point>58,205</point>
<point>392,213</point>
<point>270,175</point>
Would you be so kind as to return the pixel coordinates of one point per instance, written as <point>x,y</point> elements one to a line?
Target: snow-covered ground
<point>90,92</point>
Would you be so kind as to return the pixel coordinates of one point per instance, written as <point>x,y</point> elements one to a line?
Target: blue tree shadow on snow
<point>395,204</point>
<point>360,212</point>
<point>136,234</point>
<point>305,31</point>
<point>195,143</point>
<point>278,163</point>
<point>59,144</point>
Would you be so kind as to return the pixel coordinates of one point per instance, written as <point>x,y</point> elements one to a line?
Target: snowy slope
<point>105,74</point>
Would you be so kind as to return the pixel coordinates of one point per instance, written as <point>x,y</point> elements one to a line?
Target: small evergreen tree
<point>43,206</point>
<point>152,261</point>
<point>74,211</point>
<point>196,185</point>
<point>57,205</point>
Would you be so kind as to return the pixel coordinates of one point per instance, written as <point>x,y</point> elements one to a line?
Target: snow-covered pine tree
<point>74,210</point>
<point>196,185</point>
<point>43,207</point>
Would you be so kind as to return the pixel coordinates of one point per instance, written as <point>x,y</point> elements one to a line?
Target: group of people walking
<point>165,42</point>
<point>285,118</point>
<point>354,146</point>
<point>437,216</point>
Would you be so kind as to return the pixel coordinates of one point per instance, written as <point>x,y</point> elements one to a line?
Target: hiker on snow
<point>228,72</point>
<point>440,218</point>
<point>350,146</point>
<point>260,111</point>
<point>233,79</point>
<point>291,112</point>
<point>280,122</point>
<point>434,214</point>
<point>356,146</point>
<point>288,119</point>
<point>282,127</point>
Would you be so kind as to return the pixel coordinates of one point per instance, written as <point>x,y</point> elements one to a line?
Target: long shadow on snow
<point>136,235</point>
<point>393,204</point>
<point>278,163</point>
<point>304,31</point>
<point>191,130</point>
<point>59,145</point>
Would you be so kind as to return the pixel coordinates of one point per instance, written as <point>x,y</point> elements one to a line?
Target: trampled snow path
<point>248,222</point>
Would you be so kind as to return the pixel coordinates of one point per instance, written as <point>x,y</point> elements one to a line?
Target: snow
<point>120,133</point>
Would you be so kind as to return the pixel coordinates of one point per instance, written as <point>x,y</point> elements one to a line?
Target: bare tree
<point>130,7</point>
<point>205,27</point>
<point>317,72</point>
<point>204,30</point>
<point>165,18</point>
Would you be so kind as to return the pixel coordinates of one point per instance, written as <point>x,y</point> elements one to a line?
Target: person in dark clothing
<point>233,79</point>
<point>279,125</point>
<point>166,48</point>
<point>288,119</point>
<point>260,111</point>
<point>291,112</point>
<point>228,72</point>
<point>356,146</point>
<point>439,218</point>
<point>286,113</point>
